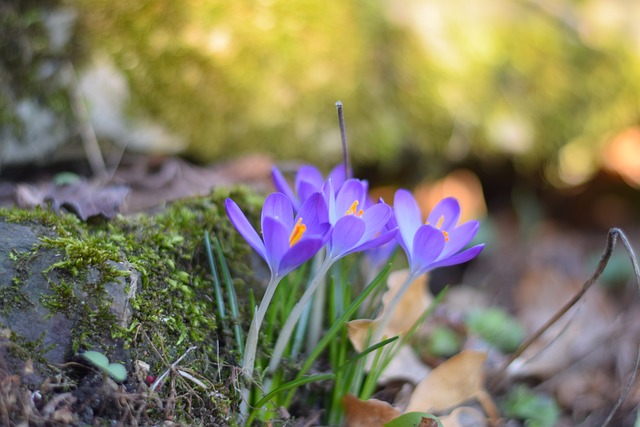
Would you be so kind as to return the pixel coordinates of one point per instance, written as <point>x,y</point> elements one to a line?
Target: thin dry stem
<point>612,237</point>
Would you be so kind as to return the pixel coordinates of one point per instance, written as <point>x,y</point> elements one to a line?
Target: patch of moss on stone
<point>173,307</point>
<point>12,297</point>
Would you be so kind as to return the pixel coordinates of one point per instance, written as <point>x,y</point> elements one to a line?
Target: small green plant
<point>497,327</point>
<point>117,371</point>
<point>536,410</point>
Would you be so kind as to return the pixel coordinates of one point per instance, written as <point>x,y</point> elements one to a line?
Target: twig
<point>343,137</point>
<point>173,365</point>
<point>612,237</point>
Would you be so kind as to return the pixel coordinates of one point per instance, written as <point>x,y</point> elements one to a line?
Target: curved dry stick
<point>612,237</point>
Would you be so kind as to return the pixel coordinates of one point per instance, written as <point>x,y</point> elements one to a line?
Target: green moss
<point>164,256</point>
<point>12,297</point>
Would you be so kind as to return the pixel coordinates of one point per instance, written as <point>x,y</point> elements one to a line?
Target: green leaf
<point>536,410</point>
<point>117,371</point>
<point>96,358</point>
<point>444,342</point>
<point>497,327</point>
<point>412,419</point>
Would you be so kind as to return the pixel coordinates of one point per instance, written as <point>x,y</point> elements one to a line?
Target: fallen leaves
<point>414,302</point>
<point>87,199</point>
<point>405,365</point>
<point>455,381</point>
<point>555,273</point>
<point>367,413</point>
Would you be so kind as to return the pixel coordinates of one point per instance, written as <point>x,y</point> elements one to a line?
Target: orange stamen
<point>298,231</point>
<point>438,225</point>
<point>353,210</point>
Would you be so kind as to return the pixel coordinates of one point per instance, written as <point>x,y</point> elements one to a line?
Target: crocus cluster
<point>336,214</point>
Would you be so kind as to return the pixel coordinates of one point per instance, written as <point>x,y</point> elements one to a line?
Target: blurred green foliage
<point>497,327</point>
<point>436,79</point>
<point>29,65</point>
<point>536,410</point>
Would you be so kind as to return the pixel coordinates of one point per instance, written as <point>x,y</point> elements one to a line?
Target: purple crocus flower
<point>438,241</point>
<point>435,243</point>
<point>308,180</point>
<point>357,224</point>
<point>287,241</point>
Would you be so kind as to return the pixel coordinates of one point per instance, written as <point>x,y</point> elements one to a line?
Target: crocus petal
<point>459,237</point>
<point>278,206</point>
<point>298,254</point>
<point>346,234</point>
<point>427,246</point>
<point>276,241</point>
<point>282,186</point>
<point>459,258</point>
<point>337,175</point>
<point>408,217</point>
<point>375,219</point>
<point>311,177</point>
<point>306,189</point>
<point>380,240</point>
<point>350,191</point>
<point>449,210</point>
<point>313,212</point>
<point>330,199</point>
<point>242,224</point>
<point>378,255</point>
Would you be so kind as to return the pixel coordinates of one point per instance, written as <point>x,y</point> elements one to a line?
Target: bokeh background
<point>528,111</point>
<point>514,89</point>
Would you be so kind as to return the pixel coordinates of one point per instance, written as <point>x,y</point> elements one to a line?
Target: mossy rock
<point>137,289</point>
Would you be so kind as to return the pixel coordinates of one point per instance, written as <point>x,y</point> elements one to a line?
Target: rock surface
<point>28,282</point>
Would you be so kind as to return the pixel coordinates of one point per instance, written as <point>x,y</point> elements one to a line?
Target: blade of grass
<point>375,375</point>
<point>216,278</point>
<point>345,375</point>
<point>367,351</point>
<point>377,367</point>
<point>335,328</point>
<point>231,293</point>
<point>291,384</point>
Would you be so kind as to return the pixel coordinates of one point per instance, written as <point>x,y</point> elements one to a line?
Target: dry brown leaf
<point>89,199</point>
<point>455,381</point>
<point>367,413</point>
<point>414,302</point>
<point>555,274</point>
<point>405,366</point>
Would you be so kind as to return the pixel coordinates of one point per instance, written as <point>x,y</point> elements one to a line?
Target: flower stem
<point>287,329</point>
<point>388,310</point>
<point>250,347</point>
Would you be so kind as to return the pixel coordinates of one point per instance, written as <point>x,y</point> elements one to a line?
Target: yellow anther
<point>353,210</point>
<point>298,231</point>
<point>438,225</point>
